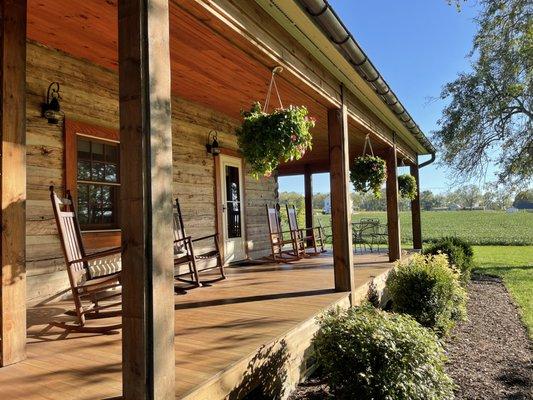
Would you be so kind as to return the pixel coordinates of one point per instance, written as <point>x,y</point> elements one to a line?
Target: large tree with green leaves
<point>489,114</point>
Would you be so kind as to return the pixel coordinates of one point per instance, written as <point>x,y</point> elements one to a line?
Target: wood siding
<point>90,94</point>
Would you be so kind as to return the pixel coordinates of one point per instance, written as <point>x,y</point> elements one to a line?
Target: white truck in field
<point>327,206</point>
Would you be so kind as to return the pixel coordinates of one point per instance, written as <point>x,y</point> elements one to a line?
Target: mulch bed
<point>490,355</point>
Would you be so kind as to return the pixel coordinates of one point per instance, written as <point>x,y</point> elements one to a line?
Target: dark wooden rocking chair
<point>184,253</point>
<point>88,291</point>
<point>305,238</point>
<point>277,241</point>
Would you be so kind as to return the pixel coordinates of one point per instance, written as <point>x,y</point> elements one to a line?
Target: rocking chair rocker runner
<point>184,253</point>
<point>85,287</point>
<point>303,236</point>
<point>277,241</point>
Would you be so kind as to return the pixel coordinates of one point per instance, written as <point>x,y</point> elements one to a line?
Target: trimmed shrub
<point>426,288</point>
<point>460,254</point>
<point>367,353</point>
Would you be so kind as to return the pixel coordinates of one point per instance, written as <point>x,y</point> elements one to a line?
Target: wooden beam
<point>415,211</point>
<point>393,213</point>
<point>148,361</point>
<point>13,180</point>
<point>308,197</point>
<point>340,200</point>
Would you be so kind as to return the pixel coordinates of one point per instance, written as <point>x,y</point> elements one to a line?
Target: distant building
<point>512,210</point>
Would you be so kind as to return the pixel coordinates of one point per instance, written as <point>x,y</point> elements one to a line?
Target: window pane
<point>84,149</point>
<point>84,170</point>
<point>83,203</point>
<point>98,172</point>
<point>98,151</point>
<point>111,152</point>
<point>111,173</point>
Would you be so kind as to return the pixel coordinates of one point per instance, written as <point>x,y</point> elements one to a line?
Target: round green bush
<point>265,139</point>
<point>407,186</point>
<point>368,173</point>
<point>426,288</point>
<point>367,354</point>
<point>460,254</point>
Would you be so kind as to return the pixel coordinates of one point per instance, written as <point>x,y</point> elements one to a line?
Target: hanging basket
<point>266,139</point>
<point>407,186</point>
<point>368,172</point>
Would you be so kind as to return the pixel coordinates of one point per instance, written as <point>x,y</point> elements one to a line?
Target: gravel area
<point>490,355</point>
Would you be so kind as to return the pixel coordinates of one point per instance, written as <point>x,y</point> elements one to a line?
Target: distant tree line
<point>492,197</point>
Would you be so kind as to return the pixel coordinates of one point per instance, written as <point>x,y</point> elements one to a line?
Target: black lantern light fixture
<point>212,146</point>
<point>52,108</point>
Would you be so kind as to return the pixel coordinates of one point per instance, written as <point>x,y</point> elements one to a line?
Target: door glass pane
<point>232,184</point>
<point>233,206</point>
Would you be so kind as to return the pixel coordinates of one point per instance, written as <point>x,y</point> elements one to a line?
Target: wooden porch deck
<point>225,334</point>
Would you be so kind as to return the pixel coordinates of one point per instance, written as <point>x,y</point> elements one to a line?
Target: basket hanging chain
<point>275,86</point>
<point>367,141</point>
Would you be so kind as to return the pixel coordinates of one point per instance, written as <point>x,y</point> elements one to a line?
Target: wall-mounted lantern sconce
<point>52,108</point>
<point>212,146</point>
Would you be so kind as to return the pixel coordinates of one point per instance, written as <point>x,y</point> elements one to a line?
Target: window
<point>93,175</point>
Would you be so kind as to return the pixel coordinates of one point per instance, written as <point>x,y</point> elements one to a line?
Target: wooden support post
<point>308,190</point>
<point>393,214</point>
<point>13,180</point>
<point>415,211</point>
<point>148,358</point>
<point>341,215</point>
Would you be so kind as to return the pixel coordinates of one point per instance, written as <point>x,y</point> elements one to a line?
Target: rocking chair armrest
<point>97,255</point>
<point>205,237</point>
<point>185,239</point>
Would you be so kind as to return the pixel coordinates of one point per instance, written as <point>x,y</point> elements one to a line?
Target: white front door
<point>233,231</point>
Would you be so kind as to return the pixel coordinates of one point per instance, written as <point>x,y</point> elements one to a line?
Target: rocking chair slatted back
<point>274,225</point>
<point>293,219</point>
<point>71,239</point>
<point>179,230</point>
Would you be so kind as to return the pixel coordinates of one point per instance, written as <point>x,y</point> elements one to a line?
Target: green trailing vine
<point>407,186</point>
<point>266,139</point>
<point>368,173</point>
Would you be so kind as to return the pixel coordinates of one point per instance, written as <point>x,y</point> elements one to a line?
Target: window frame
<point>73,130</point>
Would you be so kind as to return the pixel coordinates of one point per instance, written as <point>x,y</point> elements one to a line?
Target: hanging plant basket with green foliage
<point>407,186</point>
<point>368,172</point>
<point>266,139</point>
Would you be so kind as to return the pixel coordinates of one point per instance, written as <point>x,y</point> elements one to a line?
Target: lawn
<point>477,227</point>
<point>514,264</point>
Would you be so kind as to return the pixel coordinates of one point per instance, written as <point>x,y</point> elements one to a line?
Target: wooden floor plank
<point>216,328</point>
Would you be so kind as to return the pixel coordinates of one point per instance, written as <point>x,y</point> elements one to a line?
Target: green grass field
<point>514,264</point>
<point>477,227</point>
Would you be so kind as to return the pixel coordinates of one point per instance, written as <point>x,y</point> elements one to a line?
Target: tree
<point>468,196</point>
<point>489,114</point>
<point>524,199</point>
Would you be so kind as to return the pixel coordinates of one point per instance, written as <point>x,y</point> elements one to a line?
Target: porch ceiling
<point>211,64</point>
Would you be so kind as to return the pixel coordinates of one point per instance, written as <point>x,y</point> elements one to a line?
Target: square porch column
<point>13,180</point>
<point>308,197</point>
<point>341,215</point>
<point>415,211</point>
<point>393,211</point>
<point>148,358</point>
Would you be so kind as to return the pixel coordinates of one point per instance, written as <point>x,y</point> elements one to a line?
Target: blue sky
<point>418,46</point>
